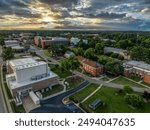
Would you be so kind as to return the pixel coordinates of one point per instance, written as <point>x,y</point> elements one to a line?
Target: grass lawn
<point>55,89</point>
<point>81,95</point>
<point>74,82</point>
<point>17,109</point>
<point>47,53</point>
<point>123,81</point>
<point>114,101</point>
<point>135,78</point>
<point>146,84</point>
<point>61,72</point>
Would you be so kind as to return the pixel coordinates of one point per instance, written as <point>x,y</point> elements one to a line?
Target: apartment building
<point>28,74</point>
<point>90,66</point>
<point>141,69</point>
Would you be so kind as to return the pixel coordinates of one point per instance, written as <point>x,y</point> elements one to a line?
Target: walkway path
<point>92,93</point>
<point>104,83</point>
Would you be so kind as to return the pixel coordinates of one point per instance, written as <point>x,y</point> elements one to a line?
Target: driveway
<point>55,104</point>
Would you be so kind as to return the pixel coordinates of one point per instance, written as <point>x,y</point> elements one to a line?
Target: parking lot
<point>55,104</point>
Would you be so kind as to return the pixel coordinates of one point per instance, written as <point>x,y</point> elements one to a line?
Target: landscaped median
<point>81,95</point>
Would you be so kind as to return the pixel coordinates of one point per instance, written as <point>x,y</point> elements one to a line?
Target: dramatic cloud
<point>75,14</point>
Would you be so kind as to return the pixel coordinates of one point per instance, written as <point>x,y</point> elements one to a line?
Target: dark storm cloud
<point>62,3</point>
<point>106,15</point>
<point>16,7</point>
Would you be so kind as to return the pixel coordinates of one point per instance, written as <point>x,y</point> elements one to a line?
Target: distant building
<point>50,41</point>
<point>106,40</point>
<point>141,69</point>
<point>15,45</point>
<point>90,66</point>
<point>117,51</point>
<point>69,54</point>
<point>26,36</point>
<point>27,75</point>
<point>74,40</point>
<point>11,42</point>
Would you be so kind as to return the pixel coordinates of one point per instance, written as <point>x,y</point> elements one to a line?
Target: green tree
<point>128,89</point>
<point>90,53</point>
<point>114,67</point>
<point>134,100</point>
<point>1,40</point>
<point>99,48</point>
<point>78,51</point>
<point>8,53</point>
<point>70,63</point>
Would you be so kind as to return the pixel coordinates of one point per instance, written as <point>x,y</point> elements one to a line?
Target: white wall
<point>27,73</point>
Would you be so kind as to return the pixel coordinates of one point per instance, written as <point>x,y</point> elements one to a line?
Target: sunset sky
<point>75,14</point>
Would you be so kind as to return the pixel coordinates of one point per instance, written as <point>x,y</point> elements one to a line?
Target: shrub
<point>128,89</point>
<point>134,100</point>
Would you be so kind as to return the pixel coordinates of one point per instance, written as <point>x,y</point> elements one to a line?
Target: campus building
<point>138,68</point>
<point>49,41</point>
<point>28,74</point>
<point>15,45</point>
<point>117,51</point>
<point>90,66</point>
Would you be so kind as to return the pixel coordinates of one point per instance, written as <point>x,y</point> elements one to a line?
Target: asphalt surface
<point>2,110</point>
<point>55,104</point>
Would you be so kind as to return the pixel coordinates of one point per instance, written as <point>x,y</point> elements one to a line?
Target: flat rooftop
<point>139,64</point>
<point>112,49</point>
<point>26,63</point>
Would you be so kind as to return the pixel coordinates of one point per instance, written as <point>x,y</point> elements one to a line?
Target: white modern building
<point>74,40</point>
<point>27,75</point>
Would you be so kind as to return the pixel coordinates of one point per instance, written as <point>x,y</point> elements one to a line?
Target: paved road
<point>2,110</point>
<point>112,85</point>
<point>40,52</point>
<point>55,104</point>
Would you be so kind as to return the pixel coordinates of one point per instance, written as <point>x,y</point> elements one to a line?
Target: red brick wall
<point>93,71</point>
<point>147,79</point>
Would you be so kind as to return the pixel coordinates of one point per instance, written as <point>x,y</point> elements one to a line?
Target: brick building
<point>90,66</point>
<point>49,41</point>
<point>138,68</point>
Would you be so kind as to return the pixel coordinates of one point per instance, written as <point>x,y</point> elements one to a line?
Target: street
<point>2,110</point>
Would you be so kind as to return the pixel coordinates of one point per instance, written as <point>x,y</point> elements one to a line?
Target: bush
<point>120,57</point>
<point>146,95</point>
<point>17,109</point>
<point>114,55</point>
<point>128,89</point>
<point>8,91</point>
<point>134,100</point>
<point>108,53</point>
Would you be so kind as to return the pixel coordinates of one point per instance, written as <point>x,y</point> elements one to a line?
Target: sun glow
<point>47,19</point>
